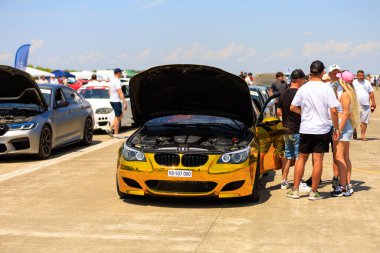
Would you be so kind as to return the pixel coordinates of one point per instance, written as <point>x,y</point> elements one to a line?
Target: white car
<point>98,97</point>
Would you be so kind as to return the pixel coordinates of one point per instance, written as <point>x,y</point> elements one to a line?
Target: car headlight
<point>103,110</point>
<point>131,154</point>
<point>239,156</point>
<point>23,125</point>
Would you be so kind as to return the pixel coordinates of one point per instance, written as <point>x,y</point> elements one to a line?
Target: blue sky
<point>255,36</point>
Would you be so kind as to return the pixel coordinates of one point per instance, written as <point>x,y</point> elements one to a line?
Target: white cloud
<point>236,52</point>
<point>307,33</point>
<point>283,53</point>
<point>342,49</point>
<point>143,56</point>
<point>53,60</point>
<point>90,57</point>
<point>149,4</point>
<point>36,44</point>
<point>4,57</point>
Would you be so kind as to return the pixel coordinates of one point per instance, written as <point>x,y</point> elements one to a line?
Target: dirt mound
<point>265,79</point>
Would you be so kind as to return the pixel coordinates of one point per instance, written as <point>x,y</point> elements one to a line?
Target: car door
<point>127,115</point>
<point>270,132</point>
<point>60,118</point>
<point>77,115</point>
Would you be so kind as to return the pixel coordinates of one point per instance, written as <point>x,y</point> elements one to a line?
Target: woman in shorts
<point>348,114</point>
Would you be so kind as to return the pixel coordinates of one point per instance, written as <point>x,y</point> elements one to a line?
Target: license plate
<point>180,173</point>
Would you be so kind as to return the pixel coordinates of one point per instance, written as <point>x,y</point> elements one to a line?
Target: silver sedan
<point>35,119</point>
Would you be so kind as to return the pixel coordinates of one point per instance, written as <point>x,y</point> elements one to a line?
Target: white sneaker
<point>304,187</point>
<point>284,185</point>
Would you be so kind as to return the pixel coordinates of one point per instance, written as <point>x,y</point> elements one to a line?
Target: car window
<point>58,96</point>
<point>125,89</point>
<point>95,93</point>
<point>47,95</point>
<point>71,95</point>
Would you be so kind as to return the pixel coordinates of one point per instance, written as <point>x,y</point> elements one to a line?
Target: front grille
<point>20,143</point>
<point>3,148</point>
<point>194,160</point>
<point>181,186</point>
<point>167,159</point>
<point>233,185</point>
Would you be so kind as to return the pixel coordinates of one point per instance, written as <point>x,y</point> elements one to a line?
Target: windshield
<point>18,106</point>
<point>181,119</point>
<point>95,93</point>
<point>47,95</point>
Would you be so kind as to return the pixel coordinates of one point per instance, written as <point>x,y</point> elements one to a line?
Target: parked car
<point>34,119</point>
<point>79,83</point>
<point>98,97</point>
<point>197,136</point>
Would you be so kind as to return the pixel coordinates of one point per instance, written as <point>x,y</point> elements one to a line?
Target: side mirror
<point>61,104</point>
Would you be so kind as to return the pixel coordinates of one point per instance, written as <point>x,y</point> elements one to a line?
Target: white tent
<point>36,72</point>
<point>85,74</point>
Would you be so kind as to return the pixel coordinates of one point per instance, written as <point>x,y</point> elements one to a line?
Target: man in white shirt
<point>53,79</point>
<point>364,92</point>
<point>249,79</point>
<point>313,101</point>
<point>93,81</point>
<point>117,101</point>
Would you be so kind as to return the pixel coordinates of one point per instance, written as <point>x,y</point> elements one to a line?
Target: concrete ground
<point>69,204</point>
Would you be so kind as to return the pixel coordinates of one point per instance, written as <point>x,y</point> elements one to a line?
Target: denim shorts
<point>347,131</point>
<point>292,142</point>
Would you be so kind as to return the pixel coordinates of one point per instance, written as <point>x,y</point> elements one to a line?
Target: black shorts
<point>117,108</point>
<point>314,143</point>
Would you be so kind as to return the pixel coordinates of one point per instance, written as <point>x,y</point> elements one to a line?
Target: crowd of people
<point>319,110</point>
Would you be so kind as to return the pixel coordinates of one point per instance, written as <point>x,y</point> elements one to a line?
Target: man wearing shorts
<point>364,92</point>
<point>313,101</point>
<point>116,99</point>
<point>291,121</point>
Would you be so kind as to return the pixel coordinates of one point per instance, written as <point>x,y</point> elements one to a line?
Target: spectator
<point>249,79</point>
<point>364,92</point>
<point>93,81</point>
<point>116,99</point>
<point>279,86</point>
<point>348,113</point>
<point>291,121</point>
<point>65,81</point>
<point>42,80</point>
<point>53,79</point>
<point>312,101</point>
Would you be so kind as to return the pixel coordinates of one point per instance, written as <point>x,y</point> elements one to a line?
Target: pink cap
<point>346,76</point>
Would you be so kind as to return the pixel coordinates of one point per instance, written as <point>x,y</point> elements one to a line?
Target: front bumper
<point>102,121</point>
<point>209,180</point>
<point>20,141</point>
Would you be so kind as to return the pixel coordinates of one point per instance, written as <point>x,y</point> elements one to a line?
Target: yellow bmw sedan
<point>196,136</point>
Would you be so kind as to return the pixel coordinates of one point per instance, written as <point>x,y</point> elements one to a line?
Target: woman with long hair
<point>348,114</point>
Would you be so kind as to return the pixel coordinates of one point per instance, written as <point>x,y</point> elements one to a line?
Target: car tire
<point>45,144</point>
<point>121,194</point>
<point>88,132</point>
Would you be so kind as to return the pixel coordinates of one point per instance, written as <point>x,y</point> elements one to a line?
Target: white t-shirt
<point>315,99</point>
<point>248,80</point>
<point>362,91</point>
<point>114,85</point>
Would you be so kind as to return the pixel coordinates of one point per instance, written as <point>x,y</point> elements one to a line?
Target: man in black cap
<point>313,101</point>
<point>291,121</point>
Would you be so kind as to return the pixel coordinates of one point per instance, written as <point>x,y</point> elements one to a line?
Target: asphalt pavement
<point>69,204</point>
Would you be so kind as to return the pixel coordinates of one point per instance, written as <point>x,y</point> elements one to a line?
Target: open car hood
<point>17,86</point>
<point>189,89</point>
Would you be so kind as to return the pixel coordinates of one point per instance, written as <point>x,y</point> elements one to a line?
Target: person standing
<point>366,97</point>
<point>278,86</point>
<point>291,121</point>
<point>93,81</point>
<point>348,114</point>
<point>313,101</point>
<point>53,79</point>
<point>249,79</point>
<point>117,101</point>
